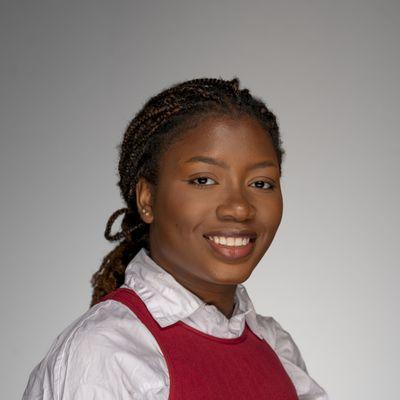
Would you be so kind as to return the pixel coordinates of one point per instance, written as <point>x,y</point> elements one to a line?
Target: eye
<point>270,186</point>
<point>201,180</point>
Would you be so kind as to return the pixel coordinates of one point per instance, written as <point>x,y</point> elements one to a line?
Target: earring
<point>145,212</point>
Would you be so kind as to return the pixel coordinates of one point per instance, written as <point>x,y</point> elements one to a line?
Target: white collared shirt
<point>108,353</point>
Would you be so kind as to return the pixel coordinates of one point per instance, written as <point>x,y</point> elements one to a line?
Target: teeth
<point>230,241</point>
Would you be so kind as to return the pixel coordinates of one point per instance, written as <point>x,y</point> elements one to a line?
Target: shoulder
<point>104,352</point>
<point>291,358</point>
<point>280,340</point>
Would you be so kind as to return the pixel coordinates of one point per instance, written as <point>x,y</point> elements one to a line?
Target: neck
<point>225,302</point>
<point>221,296</point>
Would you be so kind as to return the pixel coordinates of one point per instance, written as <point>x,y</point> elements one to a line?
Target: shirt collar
<point>168,301</point>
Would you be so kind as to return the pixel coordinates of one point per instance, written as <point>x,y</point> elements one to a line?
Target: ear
<point>144,200</point>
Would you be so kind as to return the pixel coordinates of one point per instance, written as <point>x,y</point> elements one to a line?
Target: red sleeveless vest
<point>202,366</point>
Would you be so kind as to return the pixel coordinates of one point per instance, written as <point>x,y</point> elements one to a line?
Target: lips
<point>233,233</point>
<point>230,252</point>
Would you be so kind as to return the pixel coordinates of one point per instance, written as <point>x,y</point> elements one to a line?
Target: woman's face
<point>222,180</point>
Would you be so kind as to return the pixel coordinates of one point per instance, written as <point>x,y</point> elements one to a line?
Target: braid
<point>162,119</point>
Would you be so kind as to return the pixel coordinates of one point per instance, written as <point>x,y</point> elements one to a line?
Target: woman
<point>199,169</point>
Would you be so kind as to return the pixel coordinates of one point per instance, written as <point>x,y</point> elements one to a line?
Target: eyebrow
<point>222,164</point>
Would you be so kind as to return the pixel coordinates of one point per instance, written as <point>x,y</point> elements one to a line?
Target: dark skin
<point>230,197</point>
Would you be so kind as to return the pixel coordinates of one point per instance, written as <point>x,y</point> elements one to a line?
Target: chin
<point>232,277</point>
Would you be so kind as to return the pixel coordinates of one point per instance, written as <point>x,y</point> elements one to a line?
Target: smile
<point>231,248</point>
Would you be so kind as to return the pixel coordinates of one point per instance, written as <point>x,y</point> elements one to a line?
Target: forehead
<point>235,140</point>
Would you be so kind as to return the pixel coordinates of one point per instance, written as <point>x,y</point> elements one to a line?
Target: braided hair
<point>162,120</point>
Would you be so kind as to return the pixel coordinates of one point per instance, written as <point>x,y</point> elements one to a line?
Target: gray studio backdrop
<point>74,73</point>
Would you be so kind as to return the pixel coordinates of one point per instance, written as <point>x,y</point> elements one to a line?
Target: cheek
<point>272,212</point>
<point>182,210</point>
<point>193,212</point>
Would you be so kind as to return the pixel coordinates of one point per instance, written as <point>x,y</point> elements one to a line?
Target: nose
<point>236,207</point>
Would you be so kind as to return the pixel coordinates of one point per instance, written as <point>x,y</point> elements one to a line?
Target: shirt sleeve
<point>105,354</point>
<point>292,360</point>
<point>37,391</point>
<point>73,368</point>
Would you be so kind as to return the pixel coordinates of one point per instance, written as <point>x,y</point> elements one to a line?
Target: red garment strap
<point>202,366</point>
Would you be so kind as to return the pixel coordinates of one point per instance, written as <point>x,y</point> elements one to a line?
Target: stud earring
<point>145,212</point>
